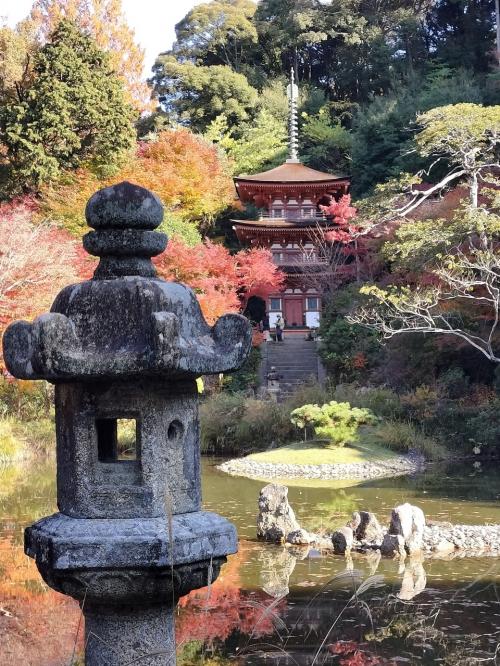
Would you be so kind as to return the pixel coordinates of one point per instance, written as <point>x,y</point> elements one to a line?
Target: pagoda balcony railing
<point>300,261</point>
<point>294,216</point>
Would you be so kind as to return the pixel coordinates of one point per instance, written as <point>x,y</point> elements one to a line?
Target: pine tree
<point>73,113</point>
<point>105,22</point>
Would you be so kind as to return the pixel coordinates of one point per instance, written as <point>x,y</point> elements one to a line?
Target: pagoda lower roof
<point>291,172</point>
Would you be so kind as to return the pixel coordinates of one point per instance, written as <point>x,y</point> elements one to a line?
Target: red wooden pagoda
<point>289,197</point>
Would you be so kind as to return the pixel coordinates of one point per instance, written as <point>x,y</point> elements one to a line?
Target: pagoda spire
<point>293,127</point>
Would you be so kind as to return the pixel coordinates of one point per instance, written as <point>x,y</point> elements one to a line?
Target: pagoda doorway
<point>294,309</point>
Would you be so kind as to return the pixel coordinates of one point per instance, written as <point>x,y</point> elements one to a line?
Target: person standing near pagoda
<point>280,325</point>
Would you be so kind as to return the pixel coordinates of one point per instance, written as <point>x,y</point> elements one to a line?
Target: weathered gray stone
<point>62,543</point>
<point>393,545</point>
<point>443,546</point>
<point>342,540</point>
<point>355,521</point>
<point>300,538</point>
<point>118,636</point>
<point>368,529</point>
<point>124,206</point>
<point>276,518</point>
<point>109,328</point>
<point>130,538</point>
<point>409,522</point>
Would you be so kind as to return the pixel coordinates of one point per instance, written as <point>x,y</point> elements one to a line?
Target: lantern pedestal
<point>122,636</point>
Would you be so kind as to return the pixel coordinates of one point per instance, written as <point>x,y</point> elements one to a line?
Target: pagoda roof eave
<point>290,173</point>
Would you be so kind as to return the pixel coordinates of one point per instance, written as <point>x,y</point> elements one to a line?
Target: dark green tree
<point>383,130</point>
<point>325,143</point>
<point>196,94</point>
<point>461,33</point>
<point>73,113</point>
<point>217,33</point>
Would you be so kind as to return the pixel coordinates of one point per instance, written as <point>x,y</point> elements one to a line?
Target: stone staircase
<point>296,361</point>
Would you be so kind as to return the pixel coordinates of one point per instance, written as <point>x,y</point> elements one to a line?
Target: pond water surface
<point>273,605</point>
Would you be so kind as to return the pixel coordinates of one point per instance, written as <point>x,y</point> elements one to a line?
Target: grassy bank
<point>319,453</point>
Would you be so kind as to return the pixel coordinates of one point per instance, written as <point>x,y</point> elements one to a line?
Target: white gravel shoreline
<point>397,466</point>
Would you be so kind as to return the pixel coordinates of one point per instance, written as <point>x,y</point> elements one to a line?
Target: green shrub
<point>453,383</point>
<point>40,436</point>
<point>309,393</point>
<point>247,377</point>
<point>460,427</point>
<point>219,414</point>
<point>263,424</point>
<point>336,422</point>
<point>384,403</point>
<point>233,423</point>
<point>403,436</point>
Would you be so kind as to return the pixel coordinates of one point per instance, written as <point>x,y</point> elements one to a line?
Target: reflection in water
<point>435,611</point>
<point>414,578</point>
<point>277,565</point>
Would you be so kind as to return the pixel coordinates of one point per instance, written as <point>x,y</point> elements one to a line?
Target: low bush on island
<point>336,422</point>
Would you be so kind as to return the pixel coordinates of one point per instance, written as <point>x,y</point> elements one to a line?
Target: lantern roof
<point>126,322</point>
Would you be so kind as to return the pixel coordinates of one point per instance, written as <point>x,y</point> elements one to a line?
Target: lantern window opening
<point>117,439</point>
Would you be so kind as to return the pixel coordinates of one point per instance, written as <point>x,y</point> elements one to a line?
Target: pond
<point>280,606</point>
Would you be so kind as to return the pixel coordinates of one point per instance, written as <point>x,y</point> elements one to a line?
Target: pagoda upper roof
<point>291,172</point>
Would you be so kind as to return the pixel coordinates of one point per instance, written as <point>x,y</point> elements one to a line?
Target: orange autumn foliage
<point>184,170</point>
<point>222,282</point>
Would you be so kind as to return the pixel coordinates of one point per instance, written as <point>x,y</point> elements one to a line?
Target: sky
<point>152,20</point>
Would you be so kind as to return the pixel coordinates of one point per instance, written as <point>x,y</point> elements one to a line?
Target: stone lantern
<point>124,350</point>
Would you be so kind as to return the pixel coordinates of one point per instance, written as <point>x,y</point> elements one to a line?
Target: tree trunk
<point>474,190</point>
<point>497,13</point>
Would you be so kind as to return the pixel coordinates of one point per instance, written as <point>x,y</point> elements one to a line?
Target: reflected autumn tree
<point>213,614</point>
<point>38,626</point>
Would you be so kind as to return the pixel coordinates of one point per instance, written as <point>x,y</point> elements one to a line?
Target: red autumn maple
<point>341,212</point>
<point>350,654</point>
<point>222,281</point>
<point>36,261</point>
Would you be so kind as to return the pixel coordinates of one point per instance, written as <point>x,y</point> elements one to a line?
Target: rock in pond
<point>409,522</point>
<point>300,538</point>
<point>276,518</point>
<point>368,528</point>
<point>393,545</point>
<point>342,540</point>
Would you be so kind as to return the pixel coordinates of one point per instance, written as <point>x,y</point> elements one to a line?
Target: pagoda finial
<point>293,127</point>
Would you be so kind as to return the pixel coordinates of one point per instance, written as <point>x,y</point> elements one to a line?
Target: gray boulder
<point>408,521</point>
<point>355,521</point>
<point>393,545</point>
<point>276,519</point>
<point>342,540</point>
<point>300,538</point>
<point>369,529</point>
